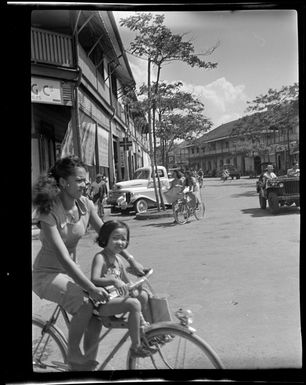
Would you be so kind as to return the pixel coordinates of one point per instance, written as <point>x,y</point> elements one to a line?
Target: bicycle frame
<point>59,310</point>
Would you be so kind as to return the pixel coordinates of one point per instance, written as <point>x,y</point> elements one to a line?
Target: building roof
<point>219,132</point>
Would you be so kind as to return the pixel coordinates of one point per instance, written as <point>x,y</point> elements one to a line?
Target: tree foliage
<point>157,42</point>
<point>276,110</point>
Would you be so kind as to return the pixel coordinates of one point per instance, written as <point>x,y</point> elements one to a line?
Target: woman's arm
<point>136,267</point>
<point>94,219</point>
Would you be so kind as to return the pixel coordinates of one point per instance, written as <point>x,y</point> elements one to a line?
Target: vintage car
<point>138,193</point>
<point>140,199</point>
<point>281,191</point>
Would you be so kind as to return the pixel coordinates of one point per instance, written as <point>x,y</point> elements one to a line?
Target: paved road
<point>238,270</point>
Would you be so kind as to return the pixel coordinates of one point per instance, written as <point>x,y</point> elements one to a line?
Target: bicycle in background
<point>183,209</point>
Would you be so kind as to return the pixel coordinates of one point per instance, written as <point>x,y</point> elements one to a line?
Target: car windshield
<point>141,174</point>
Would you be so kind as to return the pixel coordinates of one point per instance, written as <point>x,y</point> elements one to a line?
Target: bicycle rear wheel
<point>199,211</point>
<point>181,213</point>
<point>183,350</point>
<point>49,348</point>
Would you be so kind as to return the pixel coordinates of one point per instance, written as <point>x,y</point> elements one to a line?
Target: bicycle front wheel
<point>49,348</point>
<point>176,348</point>
<point>181,213</point>
<point>199,211</point>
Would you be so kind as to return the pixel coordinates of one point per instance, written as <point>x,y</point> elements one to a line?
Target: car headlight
<point>281,185</point>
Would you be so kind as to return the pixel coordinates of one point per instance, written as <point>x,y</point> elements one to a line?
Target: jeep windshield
<point>141,174</point>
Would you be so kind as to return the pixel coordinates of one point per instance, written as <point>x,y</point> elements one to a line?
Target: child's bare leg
<point>91,337</point>
<point>78,324</point>
<point>143,298</point>
<point>124,305</point>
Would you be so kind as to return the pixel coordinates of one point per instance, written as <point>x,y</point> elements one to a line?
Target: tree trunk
<point>150,135</point>
<point>154,141</point>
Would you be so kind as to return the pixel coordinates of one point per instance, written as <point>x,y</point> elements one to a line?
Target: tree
<point>277,110</point>
<point>160,46</point>
<point>180,115</point>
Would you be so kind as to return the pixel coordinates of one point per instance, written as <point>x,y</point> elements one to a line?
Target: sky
<point>258,50</point>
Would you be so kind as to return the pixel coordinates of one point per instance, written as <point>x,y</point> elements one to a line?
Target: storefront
<point>51,112</point>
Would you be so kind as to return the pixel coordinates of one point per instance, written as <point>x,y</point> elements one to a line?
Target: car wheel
<point>273,203</point>
<point>141,206</point>
<point>262,202</point>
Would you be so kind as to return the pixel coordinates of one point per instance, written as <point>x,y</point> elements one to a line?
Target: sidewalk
<point>155,214</point>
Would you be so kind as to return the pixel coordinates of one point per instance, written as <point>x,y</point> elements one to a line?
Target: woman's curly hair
<point>46,188</point>
<point>44,193</point>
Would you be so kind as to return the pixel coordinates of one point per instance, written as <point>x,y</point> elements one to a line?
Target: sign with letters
<point>46,91</point>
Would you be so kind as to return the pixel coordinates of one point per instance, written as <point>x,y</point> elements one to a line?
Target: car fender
<point>137,196</point>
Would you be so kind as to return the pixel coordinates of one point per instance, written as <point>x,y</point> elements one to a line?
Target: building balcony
<point>51,48</point>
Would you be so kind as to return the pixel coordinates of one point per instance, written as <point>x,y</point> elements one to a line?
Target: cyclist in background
<point>193,188</point>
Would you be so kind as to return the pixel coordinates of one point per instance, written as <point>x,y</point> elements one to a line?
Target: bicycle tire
<point>181,213</point>
<point>168,354</point>
<point>49,347</point>
<point>199,211</point>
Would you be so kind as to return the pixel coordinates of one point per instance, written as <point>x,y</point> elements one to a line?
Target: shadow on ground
<point>245,194</point>
<point>168,224</point>
<point>257,212</point>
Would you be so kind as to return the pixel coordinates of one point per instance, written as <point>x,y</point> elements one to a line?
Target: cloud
<point>223,101</point>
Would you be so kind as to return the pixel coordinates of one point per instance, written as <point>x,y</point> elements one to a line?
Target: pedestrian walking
<point>63,214</point>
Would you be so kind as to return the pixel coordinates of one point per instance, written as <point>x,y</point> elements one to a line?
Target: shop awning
<point>103,136</point>
<point>87,139</point>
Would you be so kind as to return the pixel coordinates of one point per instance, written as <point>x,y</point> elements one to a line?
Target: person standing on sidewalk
<point>63,214</point>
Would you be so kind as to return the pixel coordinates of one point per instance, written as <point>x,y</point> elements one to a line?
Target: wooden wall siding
<point>51,48</point>
<point>67,89</point>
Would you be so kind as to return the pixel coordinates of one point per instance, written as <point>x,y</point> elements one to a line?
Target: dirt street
<point>237,270</point>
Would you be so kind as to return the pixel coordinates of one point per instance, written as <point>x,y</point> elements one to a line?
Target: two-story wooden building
<point>79,71</point>
<point>218,147</point>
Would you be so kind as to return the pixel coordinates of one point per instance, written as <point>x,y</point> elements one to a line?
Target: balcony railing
<point>51,48</point>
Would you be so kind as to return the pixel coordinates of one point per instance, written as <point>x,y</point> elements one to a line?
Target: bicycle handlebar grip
<point>141,280</point>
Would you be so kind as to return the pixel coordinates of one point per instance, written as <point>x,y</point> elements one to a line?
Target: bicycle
<point>182,209</point>
<point>175,344</point>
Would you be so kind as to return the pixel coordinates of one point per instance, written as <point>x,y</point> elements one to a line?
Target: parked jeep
<point>137,194</point>
<point>280,191</point>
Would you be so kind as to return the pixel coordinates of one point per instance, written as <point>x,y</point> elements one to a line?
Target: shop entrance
<point>49,125</point>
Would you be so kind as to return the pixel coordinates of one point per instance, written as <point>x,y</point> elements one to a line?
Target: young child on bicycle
<point>108,270</point>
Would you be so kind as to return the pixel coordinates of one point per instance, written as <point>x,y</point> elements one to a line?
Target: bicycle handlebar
<point>141,280</point>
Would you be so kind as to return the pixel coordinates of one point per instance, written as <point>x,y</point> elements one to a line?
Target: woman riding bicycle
<point>194,188</point>
<point>63,214</point>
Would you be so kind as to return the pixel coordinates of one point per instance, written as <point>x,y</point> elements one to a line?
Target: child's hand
<point>121,287</point>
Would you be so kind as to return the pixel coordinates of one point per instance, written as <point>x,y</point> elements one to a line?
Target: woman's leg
<point>91,338</point>
<point>78,325</point>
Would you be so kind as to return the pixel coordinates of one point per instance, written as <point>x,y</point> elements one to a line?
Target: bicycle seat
<point>114,322</point>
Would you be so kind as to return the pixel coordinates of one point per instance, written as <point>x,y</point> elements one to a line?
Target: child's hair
<point>106,230</point>
<point>46,188</point>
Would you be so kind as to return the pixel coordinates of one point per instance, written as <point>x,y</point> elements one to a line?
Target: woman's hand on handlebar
<point>98,294</point>
<point>136,268</point>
